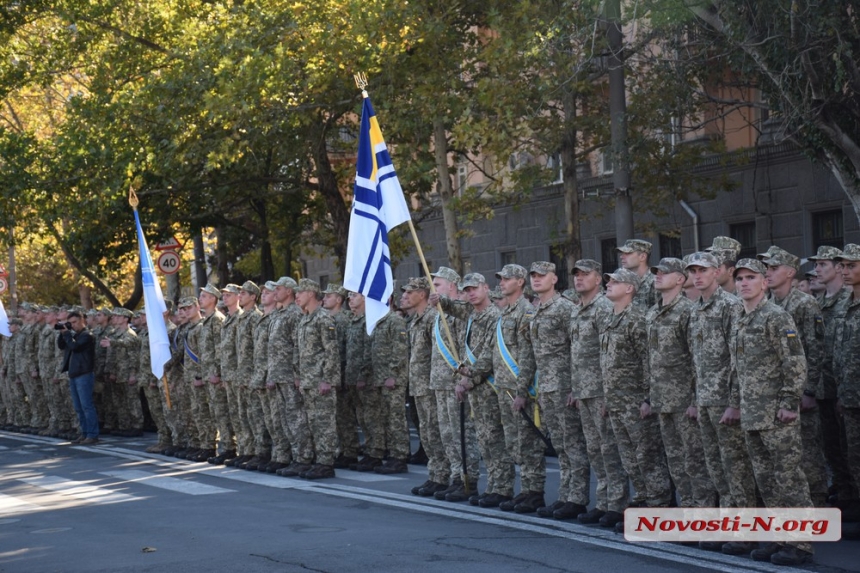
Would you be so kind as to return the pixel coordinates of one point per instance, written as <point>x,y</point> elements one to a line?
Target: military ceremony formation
<point>636,375</point>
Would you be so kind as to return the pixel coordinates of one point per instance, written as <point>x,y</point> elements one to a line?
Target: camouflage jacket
<point>341,323</point>
<point>358,358</point>
<point>480,335</point>
<point>123,355</point>
<point>210,344</point>
<point>227,352</point>
<point>442,375</point>
<point>806,313</point>
<point>421,348</point>
<point>624,358</point>
<point>27,351</point>
<point>711,325</point>
<point>191,346</point>
<point>245,327</point>
<point>282,345</point>
<point>585,321</point>
<point>673,378</point>
<point>550,330</point>
<point>389,350</point>
<point>142,370</point>
<point>767,356</point>
<point>516,322</point>
<point>846,355</point>
<point>829,307</point>
<point>174,369</point>
<point>99,333</point>
<point>47,353</point>
<point>646,295</point>
<point>7,369</point>
<point>260,361</point>
<point>318,355</point>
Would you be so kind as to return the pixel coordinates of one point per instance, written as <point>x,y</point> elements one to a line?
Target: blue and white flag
<point>378,206</point>
<point>4,321</point>
<point>159,344</point>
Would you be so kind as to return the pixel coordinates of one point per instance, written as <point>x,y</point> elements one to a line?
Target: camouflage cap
<point>782,257</point>
<point>251,287</point>
<point>270,285</point>
<point>586,265</point>
<point>851,252</point>
<point>496,294</point>
<point>634,245</point>
<point>512,271</point>
<point>416,283</point>
<point>724,256</point>
<point>26,306</point>
<point>211,289</point>
<point>15,321</point>
<point>702,259</point>
<point>447,274</point>
<point>168,304</point>
<point>753,265</point>
<point>542,267</point>
<point>92,312</point>
<point>288,282</point>
<point>231,288</point>
<point>105,311</point>
<point>670,265</point>
<point>811,274</point>
<point>624,276</point>
<point>334,288</point>
<point>825,253</point>
<point>472,280</point>
<point>305,285</point>
<point>124,312</point>
<point>725,244</point>
<point>766,255</point>
<point>187,301</point>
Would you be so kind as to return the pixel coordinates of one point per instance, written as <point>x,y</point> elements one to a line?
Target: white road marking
<point>79,490</point>
<point>169,483</point>
<point>366,477</point>
<point>10,505</point>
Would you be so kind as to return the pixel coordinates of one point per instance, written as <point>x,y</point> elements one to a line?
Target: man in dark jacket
<point>78,345</point>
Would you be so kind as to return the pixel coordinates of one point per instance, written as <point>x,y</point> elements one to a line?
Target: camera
<point>63,326</point>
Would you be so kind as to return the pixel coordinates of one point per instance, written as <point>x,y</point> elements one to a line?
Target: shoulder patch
<point>791,334</point>
<point>530,312</point>
<point>819,319</point>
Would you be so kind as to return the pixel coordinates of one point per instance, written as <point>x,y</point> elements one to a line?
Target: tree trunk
<point>221,263</point>
<point>446,193</point>
<point>86,293</point>
<point>200,279</point>
<point>618,123</point>
<point>73,260</point>
<point>328,187</point>
<point>13,273</point>
<point>174,291</point>
<point>573,248</point>
<point>137,293</point>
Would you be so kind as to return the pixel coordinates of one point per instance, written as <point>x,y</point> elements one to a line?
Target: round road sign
<point>168,262</point>
<point>3,284</point>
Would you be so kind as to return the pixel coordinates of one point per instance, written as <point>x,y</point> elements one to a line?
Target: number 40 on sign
<point>168,262</point>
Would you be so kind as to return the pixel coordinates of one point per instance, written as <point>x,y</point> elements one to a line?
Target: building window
<point>744,233</point>
<point>508,258</point>
<point>323,282</point>
<point>462,178</point>
<point>553,163</point>
<point>827,229</point>
<point>605,163</point>
<point>609,255</point>
<point>556,257</point>
<point>670,246</point>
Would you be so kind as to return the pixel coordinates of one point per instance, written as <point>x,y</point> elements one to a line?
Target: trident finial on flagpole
<point>361,82</point>
<point>132,198</point>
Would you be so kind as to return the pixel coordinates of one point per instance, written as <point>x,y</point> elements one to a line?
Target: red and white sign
<point>3,284</point>
<point>3,272</point>
<point>171,244</point>
<point>168,262</point>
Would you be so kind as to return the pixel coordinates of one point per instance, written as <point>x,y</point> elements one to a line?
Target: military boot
<point>460,494</point>
<point>547,510</point>
<point>494,500</point>
<point>319,471</point>
<point>455,485</point>
<point>511,503</point>
<point>569,510</point>
<point>392,466</point>
<point>790,555</point>
<point>295,469</point>
<point>590,517</point>
<point>432,489</point>
<point>764,551</point>
<point>367,464</point>
<point>531,504</point>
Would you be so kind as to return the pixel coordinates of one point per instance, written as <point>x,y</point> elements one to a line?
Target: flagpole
<point>134,202</point>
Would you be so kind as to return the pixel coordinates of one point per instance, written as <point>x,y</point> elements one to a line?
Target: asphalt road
<point>113,508</point>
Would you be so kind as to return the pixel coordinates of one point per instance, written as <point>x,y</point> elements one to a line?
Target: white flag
<point>4,321</point>
<point>159,344</point>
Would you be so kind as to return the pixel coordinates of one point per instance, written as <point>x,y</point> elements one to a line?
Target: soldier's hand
<point>808,403</point>
<point>214,379</point>
<point>644,410</point>
<point>132,382</point>
<point>360,385</point>
<point>464,370</point>
<point>434,299</point>
<point>325,388</point>
<point>460,392</point>
<point>786,416</point>
<point>519,404</point>
<point>198,382</point>
<point>112,377</point>
<point>571,401</point>
<point>153,384</point>
<point>692,412</point>
<point>731,416</point>
<point>34,373</point>
<point>104,343</point>
<point>389,383</point>
<point>603,412</point>
<point>270,385</point>
<point>298,384</point>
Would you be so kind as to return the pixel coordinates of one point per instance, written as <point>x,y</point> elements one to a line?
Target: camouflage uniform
<point>349,412</point>
<point>768,359</point>
<point>358,368</point>
<point>147,382</point>
<point>646,295</point>
<point>673,382</point>
<point>550,334</point>
<point>317,360</point>
<point>50,379</point>
<point>215,394</point>
<point>122,354</point>
<point>389,352</point>
<point>176,417</point>
<point>199,421</point>
<point>230,372</point>
<point>248,441</point>
<point>101,389</point>
<point>624,366</point>
<point>18,397</point>
<point>270,440</point>
<point>26,363</point>
<point>587,387</point>
<point>288,408</point>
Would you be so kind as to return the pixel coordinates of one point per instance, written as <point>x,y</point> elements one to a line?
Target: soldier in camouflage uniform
<point>122,354</point>
<point>102,391</point>
<point>634,255</point>
<point>317,365</point>
<point>443,365</point>
<point>782,267</point>
<point>587,395</point>
<point>833,295</point>
<point>718,409</point>
<point>249,444</point>
<point>846,358</point>
<point>625,370</point>
<point>27,365</point>
<point>197,415</point>
<point>46,352</point>
<point>151,386</point>
<point>673,383</point>
<point>20,407</point>
<point>229,368</point>
<point>357,374</point>
<point>176,417</point>
<point>768,359</point>
<point>550,333</point>
<point>219,432</point>
<point>727,251</point>
<point>421,348</point>
<point>288,405</point>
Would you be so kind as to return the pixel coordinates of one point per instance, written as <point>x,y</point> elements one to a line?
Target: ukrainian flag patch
<point>791,334</point>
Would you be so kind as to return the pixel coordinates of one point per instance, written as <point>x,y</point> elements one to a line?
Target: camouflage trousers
<point>176,416</point>
<point>449,431</point>
<point>564,425</point>
<point>373,419</point>
<point>525,447</point>
<point>682,442</point>
<point>812,460</point>
<point>220,414</point>
<point>103,400</point>
<point>39,414</point>
<point>776,460</point>
<point>395,427</point>
<point>641,451</point>
<point>612,491</point>
<point>294,422</point>
<point>135,407</point>
<point>491,440</point>
<point>348,400</point>
<point>60,407</point>
<point>21,413</point>
<point>727,459</point>
<point>851,418</point>
<point>125,402</point>
<point>201,417</point>
<point>835,448</point>
<point>247,437</point>
<point>322,421</point>
<point>438,468</point>
<point>6,407</point>
<point>258,406</point>
<point>270,400</point>
<point>232,390</point>
<point>157,409</point>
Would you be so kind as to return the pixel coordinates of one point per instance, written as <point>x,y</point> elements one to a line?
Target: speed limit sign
<point>3,284</point>
<point>168,262</point>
